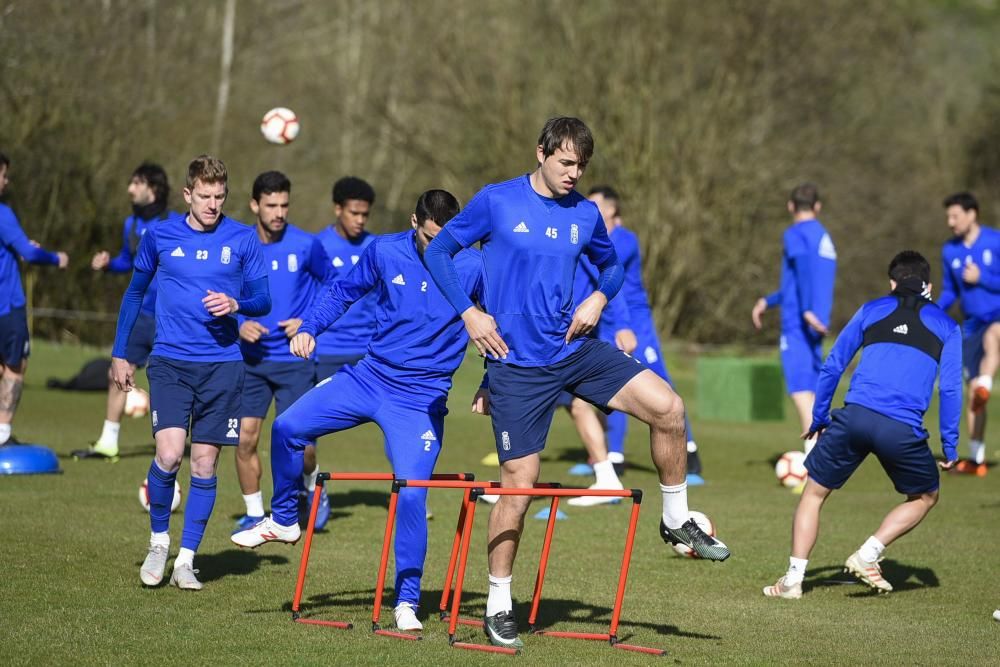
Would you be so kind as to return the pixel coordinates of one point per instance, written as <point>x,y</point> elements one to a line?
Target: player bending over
<point>908,341</point>
<point>533,229</point>
<point>401,384</point>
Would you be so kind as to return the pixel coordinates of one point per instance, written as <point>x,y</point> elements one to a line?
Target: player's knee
<point>169,461</point>
<point>283,431</point>
<point>929,499</point>
<point>669,412</point>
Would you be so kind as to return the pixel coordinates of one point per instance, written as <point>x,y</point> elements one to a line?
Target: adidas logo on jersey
<point>521,228</point>
<point>178,252</point>
<point>428,435</point>
<point>826,249</point>
<point>338,262</point>
<point>398,280</point>
<point>901,329</point>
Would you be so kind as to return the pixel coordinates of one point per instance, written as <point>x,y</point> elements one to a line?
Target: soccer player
<point>297,267</point>
<point>908,342</point>
<point>401,384</point>
<point>14,344</point>
<point>201,260</point>
<point>633,293</point>
<point>971,275</point>
<point>533,229</point>
<point>346,341</point>
<point>808,270</point>
<point>149,190</point>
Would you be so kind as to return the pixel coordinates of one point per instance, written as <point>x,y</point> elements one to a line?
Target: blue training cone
<point>544,515</point>
<point>582,470</point>
<point>28,460</point>
<point>694,479</point>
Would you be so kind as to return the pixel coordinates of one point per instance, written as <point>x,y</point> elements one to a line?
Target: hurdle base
<point>486,648</point>
<point>340,625</point>
<point>474,622</point>
<point>598,636</point>
<point>640,649</point>
<point>395,635</point>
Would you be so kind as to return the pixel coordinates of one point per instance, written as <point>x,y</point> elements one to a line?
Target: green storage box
<point>740,390</point>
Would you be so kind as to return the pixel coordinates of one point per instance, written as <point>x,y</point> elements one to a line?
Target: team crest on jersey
<point>338,262</point>
<point>987,257</point>
<point>650,354</point>
<point>505,441</point>
<point>956,263</point>
<point>574,234</point>
<point>156,418</point>
<point>227,254</point>
<point>293,263</point>
<point>826,249</point>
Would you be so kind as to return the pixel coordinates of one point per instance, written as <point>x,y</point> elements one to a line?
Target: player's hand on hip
<point>220,304</point>
<point>758,309</point>
<point>100,261</point>
<point>302,345</point>
<point>63,259</point>
<point>971,273</point>
<point>810,433</point>
<point>122,374</point>
<point>482,329</point>
<point>814,323</point>
<point>291,326</point>
<point>947,465</point>
<point>587,315</point>
<point>251,331</point>
<point>481,402</point>
<point>626,341</point>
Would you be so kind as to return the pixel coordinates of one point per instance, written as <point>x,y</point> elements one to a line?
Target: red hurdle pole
<point>543,562</point>
<point>453,558</point>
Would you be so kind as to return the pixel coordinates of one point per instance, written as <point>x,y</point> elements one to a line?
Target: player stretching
<point>808,270</point>
<point>149,190</point>
<point>14,343</point>
<point>195,370</point>
<point>971,275</point>
<point>401,385</point>
<point>296,268</point>
<point>907,342</point>
<point>533,229</point>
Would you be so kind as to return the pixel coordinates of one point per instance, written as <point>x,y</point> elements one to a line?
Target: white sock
<point>796,570</point>
<point>871,550</point>
<point>977,450</point>
<point>606,475</point>
<point>499,597</point>
<point>161,539</point>
<point>692,446</point>
<point>675,504</point>
<point>4,433</point>
<point>616,457</point>
<point>255,504</point>
<point>184,557</point>
<point>309,479</point>
<point>985,381</point>
<point>109,434</point>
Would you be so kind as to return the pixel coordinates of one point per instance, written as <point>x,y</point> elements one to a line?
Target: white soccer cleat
<point>151,572</point>
<point>591,501</point>
<point>406,618</point>
<point>266,530</point>
<point>781,590</point>
<point>184,579</point>
<point>870,574</point>
<point>996,615</point>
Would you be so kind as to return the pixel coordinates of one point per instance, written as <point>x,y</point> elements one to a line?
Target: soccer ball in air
<point>280,126</point>
<point>144,496</point>
<point>136,403</point>
<point>705,524</point>
<point>791,469</point>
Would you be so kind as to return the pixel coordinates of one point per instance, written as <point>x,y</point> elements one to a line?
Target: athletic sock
<point>692,446</point>
<point>160,490</point>
<point>159,539</point>
<point>499,597</point>
<point>309,479</point>
<point>606,475</point>
<point>201,500</point>
<point>4,433</point>
<point>985,381</point>
<point>796,570</point>
<point>977,450</point>
<point>675,504</point>
<point>184,557</point>
<point>109,434</point>
<point>616,457</point>
<point>255,504</point>
<point>871,550</point>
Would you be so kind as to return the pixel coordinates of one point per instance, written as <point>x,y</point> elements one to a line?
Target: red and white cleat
<point>266,530</point>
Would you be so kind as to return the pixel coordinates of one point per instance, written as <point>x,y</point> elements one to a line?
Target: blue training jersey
<point>418,335</point>
<point>349,336</point>
<point>14,244</point>
<point>297,268</point>
<point>808,272</point>
<point>132,231</point>
<point>895,378</point>
<point>530,247</point>
<point>633,289</point>
<point>188,263</point>
<point>980,302</point>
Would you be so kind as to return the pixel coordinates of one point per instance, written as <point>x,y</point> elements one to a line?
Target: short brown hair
<point>804,197</point>
<point>207,169</point>
<point>558,131</point>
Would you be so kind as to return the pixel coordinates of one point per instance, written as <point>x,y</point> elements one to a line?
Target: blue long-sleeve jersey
<point>349,336</point>
<point>13,244</point>
<point>417,333</point>
<point>981,301</point>
<point>633,289</point>
<point>808,273</point>
<point>297,269</point>
<point>905,349</point>
<point>133,229</point>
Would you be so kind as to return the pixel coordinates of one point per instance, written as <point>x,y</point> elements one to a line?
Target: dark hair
<point>4,160</point>
<point>909,264</point>
<point>804,197</point>
<point>437,205</point>
<point>963,199</point>
<point>605,191</point>
<point>155,177</point>
<point>565,129</point>
<point>270,182</point>
<point>352,187</point>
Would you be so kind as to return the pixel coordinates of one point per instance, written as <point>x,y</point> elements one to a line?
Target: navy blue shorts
<point>972,347</point>
<point>523,399</point>
<point>328,365</point>
<point>801,359</point>
<point>140,343</point>
<point>283,381</point>
<point>14,344</point>
<point>204,396</point>
<point>856,432</point>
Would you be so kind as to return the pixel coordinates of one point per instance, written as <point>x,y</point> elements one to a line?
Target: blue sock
<point>160,489</point>
<point>617,429</point>
<point>201,500</point>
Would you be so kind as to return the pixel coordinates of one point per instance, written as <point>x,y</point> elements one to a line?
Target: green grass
<point>69,587</point>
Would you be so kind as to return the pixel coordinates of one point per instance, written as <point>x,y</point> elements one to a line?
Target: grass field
<point>73,544</point>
